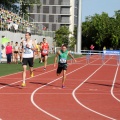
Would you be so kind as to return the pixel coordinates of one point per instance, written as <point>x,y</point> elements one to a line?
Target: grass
<point>6,69</point>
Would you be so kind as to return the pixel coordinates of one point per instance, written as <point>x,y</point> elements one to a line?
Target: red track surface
<point>92,93</point>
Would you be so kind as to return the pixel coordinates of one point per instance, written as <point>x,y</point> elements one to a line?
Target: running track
<point>92,93</point>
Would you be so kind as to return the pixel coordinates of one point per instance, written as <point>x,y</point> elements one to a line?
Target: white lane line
<point>34,92</point>
<point>74,96</point>
<point>113,84</point>
<point>56,93</point>
<point>22,71</point>
<point>37,68</point>
<point>27,78</point>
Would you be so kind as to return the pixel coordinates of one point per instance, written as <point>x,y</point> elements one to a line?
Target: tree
<point>101,30</point>
<point>27,4</point>
<point>62,36</point>
<point>24,4</point>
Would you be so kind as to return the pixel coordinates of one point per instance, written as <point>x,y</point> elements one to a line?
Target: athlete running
<point>28,47</point>
<point>62,55</point>
<point>44,52</point>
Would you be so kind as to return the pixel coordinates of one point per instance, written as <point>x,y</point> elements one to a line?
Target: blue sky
<point>90,7</point>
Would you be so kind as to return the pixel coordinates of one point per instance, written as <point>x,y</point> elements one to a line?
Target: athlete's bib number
<point>62,60</point>
<point>27,51</point>
<point>44,52</point>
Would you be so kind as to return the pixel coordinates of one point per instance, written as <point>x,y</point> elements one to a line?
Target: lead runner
<point>62,55</point>
<point>28,47</point>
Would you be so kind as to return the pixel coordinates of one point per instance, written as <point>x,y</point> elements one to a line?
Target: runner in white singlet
<point>28,47</point>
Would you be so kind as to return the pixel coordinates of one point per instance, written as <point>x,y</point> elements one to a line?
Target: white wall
<point>16,37</point>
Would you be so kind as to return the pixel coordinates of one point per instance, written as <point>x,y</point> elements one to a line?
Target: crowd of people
<point>13,22</point>
<point>14,51</point>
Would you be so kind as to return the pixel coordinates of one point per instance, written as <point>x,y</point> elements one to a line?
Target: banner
<point>111,52</point>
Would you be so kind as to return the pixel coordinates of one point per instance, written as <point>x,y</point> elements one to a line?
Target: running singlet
<point>16,48</point>
<point>27,52</point>
<point>63,57</point>
<point>45,48</point>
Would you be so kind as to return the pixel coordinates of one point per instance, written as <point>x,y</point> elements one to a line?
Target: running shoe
<point>44,68</point>
<point>32,75</point>
<point>63,86</point>
<point>23,85</point>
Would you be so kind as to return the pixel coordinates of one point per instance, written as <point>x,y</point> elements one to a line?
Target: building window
<point>54,9</point>
<point>53,27</point>
<point>44,18</point>
<point>51,18</point>
<point>38,9</point>
<point>45,9</point>
<point>51,2</point>
<point>59,2</point>
<point>44,2</point>
<point>38,18</point>
<point>59,18</point>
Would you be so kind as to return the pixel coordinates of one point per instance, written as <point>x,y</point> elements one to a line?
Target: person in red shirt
<point>8,52</point>
<point>44,52</point>
<point>92,47</point>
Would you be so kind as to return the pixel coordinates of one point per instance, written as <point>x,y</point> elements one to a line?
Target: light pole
<point>79,30</point>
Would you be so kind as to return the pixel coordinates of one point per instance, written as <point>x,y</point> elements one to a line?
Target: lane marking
<point>34,92</point>
<point>29,77</point>
<point>74,96</point>
<point>113,84</point>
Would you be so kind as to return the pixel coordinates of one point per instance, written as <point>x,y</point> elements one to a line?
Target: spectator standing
<point>92,47</point>
<point>16,50</point>
<point>8,52</point>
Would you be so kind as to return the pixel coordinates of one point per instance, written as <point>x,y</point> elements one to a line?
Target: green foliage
<point>62,36</point>
<point>27,4</point>
<point>102,30</point>
<point>24,5</point>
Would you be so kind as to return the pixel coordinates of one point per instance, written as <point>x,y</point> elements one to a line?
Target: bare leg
<point>31,70</point>
<point>45,61</point>
<point>64,77</point>
<point>17,58</point>
<point>24,73</point>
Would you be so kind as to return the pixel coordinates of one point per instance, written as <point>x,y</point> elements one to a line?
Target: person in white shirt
<point>28,48</point>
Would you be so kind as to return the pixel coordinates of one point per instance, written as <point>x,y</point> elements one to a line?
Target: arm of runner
<point>56,57</point>
<point>71,56</point>
<point>34,46</point>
